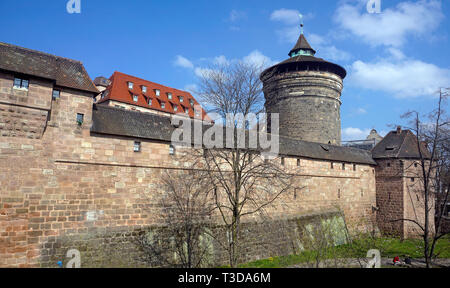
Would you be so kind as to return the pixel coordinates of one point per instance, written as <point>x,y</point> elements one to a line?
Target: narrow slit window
<point>137,146</point>
<point>80,118</point>
<point>56,94</point>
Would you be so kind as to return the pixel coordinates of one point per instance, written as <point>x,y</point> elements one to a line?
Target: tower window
<point>343,166</point>
<point>298,162</point>
<point>137,146</point>
<point>332,165</point>
<point>354,167</point>
<point>388,164</point>
<point>339,193</point>
<point>80,118</point>
<point>56,94</point>
<point>171,150</point>
<point>21,83</point>
<point>415,165</point>
<point>282,161</point>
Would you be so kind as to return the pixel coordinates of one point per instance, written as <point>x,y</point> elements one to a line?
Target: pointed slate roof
<point>400,145</point>
<point>304,61</point>
<point>302,44</point>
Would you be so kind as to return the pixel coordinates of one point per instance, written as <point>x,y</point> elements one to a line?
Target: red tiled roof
<point>118,91</point>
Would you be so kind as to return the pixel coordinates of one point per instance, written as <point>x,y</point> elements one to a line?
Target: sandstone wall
<point>71,189</point>
<point>389,186</point>
<point>308,103</point>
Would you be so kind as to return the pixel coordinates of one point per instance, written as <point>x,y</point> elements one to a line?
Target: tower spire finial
<point>301,23</point>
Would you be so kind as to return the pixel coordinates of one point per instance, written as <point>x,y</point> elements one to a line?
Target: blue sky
<point>395,59</point>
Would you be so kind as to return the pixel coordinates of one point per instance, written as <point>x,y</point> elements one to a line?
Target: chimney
<point>399,129</point>
<point>102,83</point>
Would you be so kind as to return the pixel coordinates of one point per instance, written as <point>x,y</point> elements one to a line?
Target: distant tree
<point>433,136</point>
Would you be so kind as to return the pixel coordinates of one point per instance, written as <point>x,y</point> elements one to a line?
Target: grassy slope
<point>389,248</point>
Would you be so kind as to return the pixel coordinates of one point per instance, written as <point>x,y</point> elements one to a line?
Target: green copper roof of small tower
<point>302,48</point>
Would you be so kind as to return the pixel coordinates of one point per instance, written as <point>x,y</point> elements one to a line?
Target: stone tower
<point>306,93</point>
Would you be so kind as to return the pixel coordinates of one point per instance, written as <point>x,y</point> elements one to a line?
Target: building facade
<point>75,174</point>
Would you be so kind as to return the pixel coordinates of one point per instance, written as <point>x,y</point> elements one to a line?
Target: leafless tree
<point>246,184</point>
<point>433,138</point>
<point>186,212</point>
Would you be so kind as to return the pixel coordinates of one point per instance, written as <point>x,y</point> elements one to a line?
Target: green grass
<point>389,247</point>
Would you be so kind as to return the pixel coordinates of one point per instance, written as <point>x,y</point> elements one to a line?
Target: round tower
<point>306,92</point>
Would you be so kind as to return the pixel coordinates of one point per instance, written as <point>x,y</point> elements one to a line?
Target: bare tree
<point>186,211</point>
<point>433,138</point>
<point>246,184</point>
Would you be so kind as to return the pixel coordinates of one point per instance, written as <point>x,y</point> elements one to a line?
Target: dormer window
<point>197,113</point>
<point>181,98</point>
<point>135,98</point>
<point>191,102</point>
<point>144,89</point>
<point>163,105</point>
<point>150,102</point>
<point>21,83</point>
<point>186,111</point>
<point>169,95</point>
<point>130,85</point>
<point>157,92</point>
<point>175,108</point>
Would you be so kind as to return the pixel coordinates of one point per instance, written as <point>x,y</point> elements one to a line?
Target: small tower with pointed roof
<point>306,93</point>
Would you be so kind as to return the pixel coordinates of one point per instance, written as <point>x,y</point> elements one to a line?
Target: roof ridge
<point>403,142</point>
<point>40,52</point>
<point>132,76</point>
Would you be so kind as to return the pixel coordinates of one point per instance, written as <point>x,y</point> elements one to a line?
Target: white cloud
<point>350,133</point>
<point>236,15</point>
<point>361,111</point>
<point>291,21</point>
<point>287,16</point>
<point>325,50</point>
<point>192,88</point>
<point>405,78</point>
<point>392,26</point>
<point>258,59</point>
<point>220,60</point>
<point>183,62</point>
<point>202,72</point>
